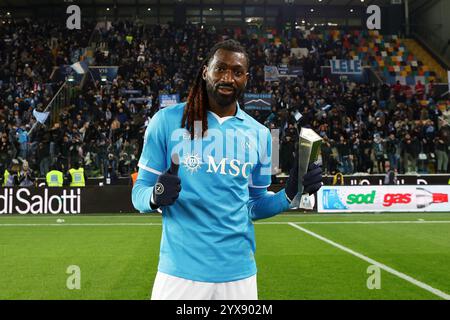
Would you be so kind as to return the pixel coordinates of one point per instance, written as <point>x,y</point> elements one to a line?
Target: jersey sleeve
<point>151,163</point>
<point>153,156</point>
<point>264,204</point>
<point>143,190</point>
<point>261,176</point>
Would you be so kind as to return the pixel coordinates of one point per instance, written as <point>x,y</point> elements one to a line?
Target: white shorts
<point>167,287</point>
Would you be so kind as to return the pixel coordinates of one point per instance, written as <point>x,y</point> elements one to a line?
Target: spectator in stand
<point>43,157</point>
<point>441,150</point>
<point>391,177</point>
<point>3,174</point>
<point>431,89</point>
<point>379,150</point>
<point>287,150</point>
<point>367,148</point>
<point>420,90</point>
<point>26,177</point>
<point>12,179</point>
<point>397,89</point>
<point>326,153</point>
<point>4,150</point>
<point>409,153</point>
<point>345,158</point>
<point>393,151</point>
<point>110,169</point>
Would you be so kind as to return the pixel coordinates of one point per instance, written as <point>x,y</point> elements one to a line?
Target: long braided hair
<point>196,105</point>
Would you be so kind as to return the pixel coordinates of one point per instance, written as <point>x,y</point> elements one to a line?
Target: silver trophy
<point>308,152</point>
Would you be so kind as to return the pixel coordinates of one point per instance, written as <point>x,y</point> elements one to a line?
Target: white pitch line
<point>257,223</point>
<point>50,216</point>
<point>360,222</point>
<point>399,274</point>
<point>75,224</point>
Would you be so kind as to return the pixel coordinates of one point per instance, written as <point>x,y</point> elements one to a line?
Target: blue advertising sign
<point>289,71</point>
<point>258,101</point>
<point>166,100</point>
<point>362,77</point>
<point>271,73</point>
<point>346,66</point>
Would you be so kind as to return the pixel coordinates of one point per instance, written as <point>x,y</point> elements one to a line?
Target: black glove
<point>167,187</point>
<point>312,180</point>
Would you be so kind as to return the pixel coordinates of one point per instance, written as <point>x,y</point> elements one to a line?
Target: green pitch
<point>299,256</point>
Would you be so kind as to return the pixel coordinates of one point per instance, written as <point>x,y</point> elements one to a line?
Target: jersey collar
<point>240,114</point>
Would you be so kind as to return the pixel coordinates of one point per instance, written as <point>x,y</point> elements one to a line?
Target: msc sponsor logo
<point>192,162</point>
<point>236,167</point>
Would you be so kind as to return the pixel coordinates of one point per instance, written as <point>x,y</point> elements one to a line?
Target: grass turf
<point>118,256</point>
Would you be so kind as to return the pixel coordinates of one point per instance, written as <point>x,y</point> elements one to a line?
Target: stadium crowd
<point>364,127</point>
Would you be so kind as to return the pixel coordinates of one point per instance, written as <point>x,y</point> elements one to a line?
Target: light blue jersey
<point>208,234</point>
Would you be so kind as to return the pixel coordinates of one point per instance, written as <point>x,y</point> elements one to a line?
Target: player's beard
<point>221,99</point>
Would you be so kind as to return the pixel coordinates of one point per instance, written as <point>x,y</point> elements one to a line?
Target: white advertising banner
<point>383,198</point>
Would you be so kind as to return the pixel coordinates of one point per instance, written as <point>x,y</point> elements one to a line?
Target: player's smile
<point>225,90</point>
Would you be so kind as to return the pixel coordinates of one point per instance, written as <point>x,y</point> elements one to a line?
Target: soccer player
<point>207,165</point>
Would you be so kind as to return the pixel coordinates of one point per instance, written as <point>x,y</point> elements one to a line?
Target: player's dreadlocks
<point>196,106</point>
